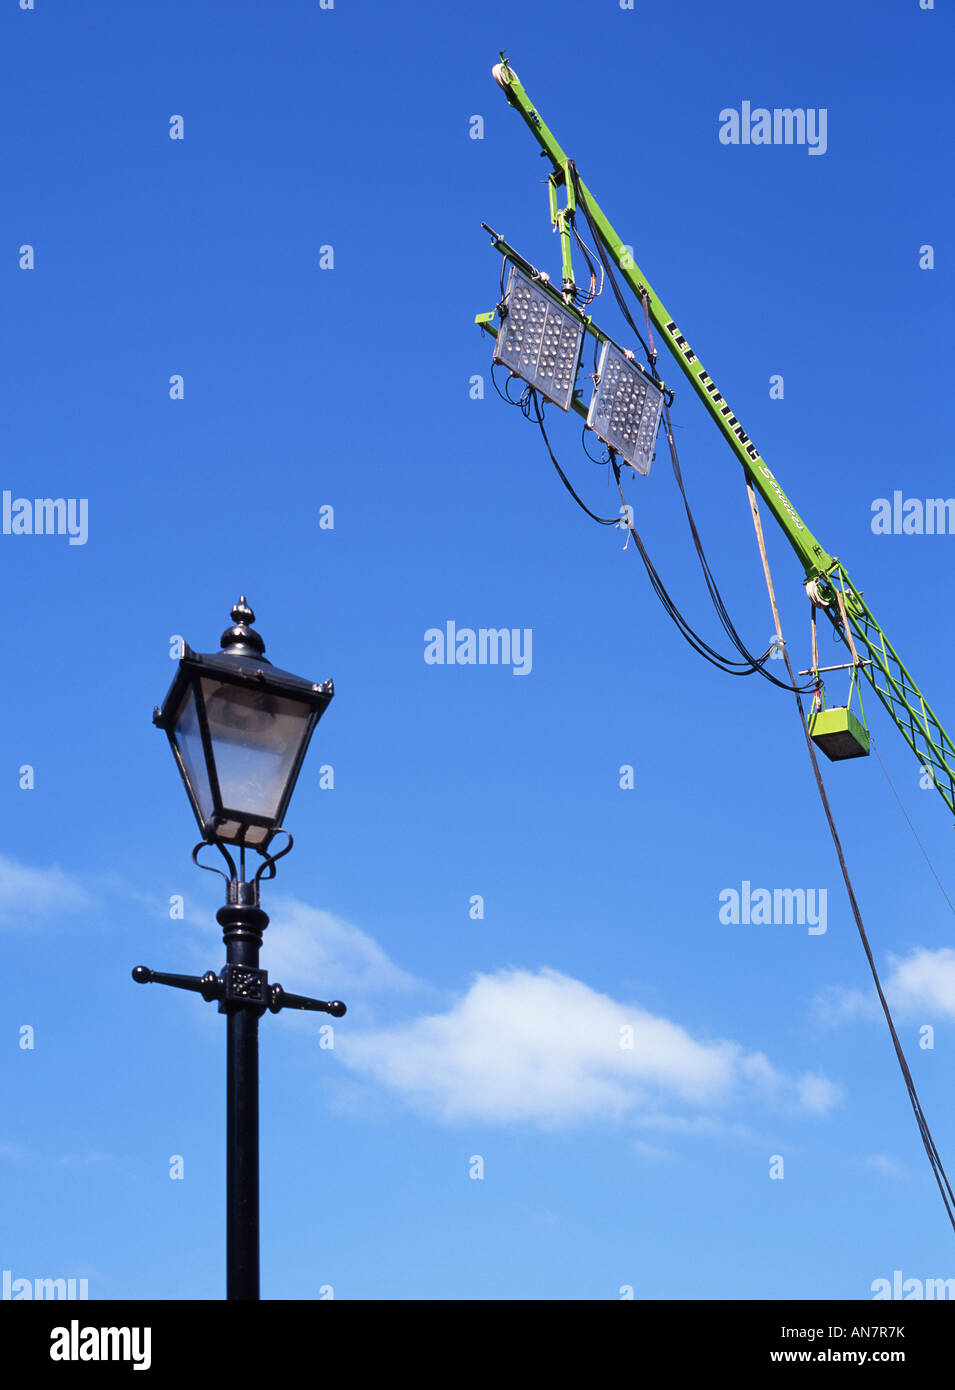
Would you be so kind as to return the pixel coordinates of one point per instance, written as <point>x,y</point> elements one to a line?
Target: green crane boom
<point>826,577</point>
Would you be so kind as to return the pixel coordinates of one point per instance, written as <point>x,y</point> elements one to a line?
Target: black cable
<point>710,654</point>
<point>712,587</point>
<point>522,402</point>
<point>594,232</point>
<point>938,1169</point>
<point>539,419</point>
<point>581,299</point>
<point>502,394</point>
<point>530,401</point>
<point>532,407</point>
<point>583,444</point>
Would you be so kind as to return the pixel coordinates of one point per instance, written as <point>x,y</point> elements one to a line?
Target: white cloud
<point>836,1004</point>
<point>83,1160</point>
<point>884,1164</point>
<point>925,980</point>
<point>918,984</point>
<point>310,950</point>
<point>546,1048</point>
<point>817,1094</point>
<point>652,1152</point>
<point>29,895</point>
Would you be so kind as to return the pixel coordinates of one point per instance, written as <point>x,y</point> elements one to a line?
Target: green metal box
<point>839,734</point>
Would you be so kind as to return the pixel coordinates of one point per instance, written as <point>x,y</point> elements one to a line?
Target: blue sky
<point>348,387</point>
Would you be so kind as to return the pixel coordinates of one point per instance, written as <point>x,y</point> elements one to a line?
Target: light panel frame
<point>540,339</point>
<point>626,408</point>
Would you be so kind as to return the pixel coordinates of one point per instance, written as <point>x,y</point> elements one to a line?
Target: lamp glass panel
<point>189,742</point>
<point>539,340</point>
<point>625,408</point>
<point>256,737</point>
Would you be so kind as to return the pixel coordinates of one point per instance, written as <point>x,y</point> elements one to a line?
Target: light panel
<point>625,409</point>
<point>539,340</point>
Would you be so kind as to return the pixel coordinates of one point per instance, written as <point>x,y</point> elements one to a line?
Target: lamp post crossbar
<point>214,987</point>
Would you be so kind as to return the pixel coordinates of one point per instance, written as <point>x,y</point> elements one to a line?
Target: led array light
<point>625,410</point>
<point>539,339</point>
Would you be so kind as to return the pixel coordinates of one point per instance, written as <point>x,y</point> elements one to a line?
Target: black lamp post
<point>239,729</point>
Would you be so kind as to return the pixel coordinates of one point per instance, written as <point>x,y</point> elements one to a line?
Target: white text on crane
<point>716,396</point>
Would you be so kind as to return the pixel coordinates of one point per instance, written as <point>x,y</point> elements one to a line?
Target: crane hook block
<point>839,733</point>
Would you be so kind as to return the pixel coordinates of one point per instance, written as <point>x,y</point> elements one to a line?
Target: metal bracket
<point>239,987</point>
<point>561,219</point>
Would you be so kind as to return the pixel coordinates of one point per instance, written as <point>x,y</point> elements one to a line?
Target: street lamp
<point>239,729</point>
